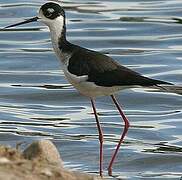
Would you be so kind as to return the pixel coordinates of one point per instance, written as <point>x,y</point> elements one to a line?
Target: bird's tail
<point>168,87</point>
<point>158,82</point>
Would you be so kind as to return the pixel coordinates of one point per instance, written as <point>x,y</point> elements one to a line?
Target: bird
<point>92,73</point>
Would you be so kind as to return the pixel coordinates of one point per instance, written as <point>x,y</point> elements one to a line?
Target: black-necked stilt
<point>91,73</point>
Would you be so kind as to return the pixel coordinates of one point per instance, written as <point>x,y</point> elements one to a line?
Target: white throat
<point>56,28</point>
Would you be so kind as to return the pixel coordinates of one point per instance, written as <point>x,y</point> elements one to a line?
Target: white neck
<point>56,29</point>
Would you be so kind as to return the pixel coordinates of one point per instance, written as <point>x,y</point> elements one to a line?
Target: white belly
<point>89,89</point>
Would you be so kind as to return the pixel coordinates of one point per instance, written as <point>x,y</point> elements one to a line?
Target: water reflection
<point>37,102</point>
<point>164,148</point>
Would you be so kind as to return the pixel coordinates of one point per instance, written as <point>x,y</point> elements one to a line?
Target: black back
<point>104,71</point>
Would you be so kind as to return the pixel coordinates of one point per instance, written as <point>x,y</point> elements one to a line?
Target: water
<point>36,102</point>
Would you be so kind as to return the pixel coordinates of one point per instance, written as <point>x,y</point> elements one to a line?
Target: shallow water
<point>36,101</point>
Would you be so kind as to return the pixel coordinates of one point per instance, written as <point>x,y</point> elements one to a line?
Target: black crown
<point>52,10</point>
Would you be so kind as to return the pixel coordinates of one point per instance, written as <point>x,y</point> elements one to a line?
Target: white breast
<point>89,89</point>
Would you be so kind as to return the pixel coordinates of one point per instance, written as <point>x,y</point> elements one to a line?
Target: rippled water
<point>36,101</point>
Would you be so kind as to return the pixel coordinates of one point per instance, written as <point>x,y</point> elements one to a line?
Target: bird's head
<point>50,13</point>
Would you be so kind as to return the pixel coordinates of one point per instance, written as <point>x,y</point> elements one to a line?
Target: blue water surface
<point>36,102</point>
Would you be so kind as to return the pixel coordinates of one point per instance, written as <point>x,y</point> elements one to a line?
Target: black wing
<point>104,71</point>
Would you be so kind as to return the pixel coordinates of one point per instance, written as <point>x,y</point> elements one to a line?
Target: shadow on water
<point>37,102</point>
<point>163,148</point>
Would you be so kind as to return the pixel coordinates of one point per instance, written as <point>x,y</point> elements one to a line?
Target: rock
<point>40,161</point>
<point>10,153</point>
<point>46,172</point>
<point>4,160</point>
<point>45,151</point>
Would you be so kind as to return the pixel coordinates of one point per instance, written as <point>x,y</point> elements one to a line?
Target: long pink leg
<point>101,139</point>
<point>126,126</point>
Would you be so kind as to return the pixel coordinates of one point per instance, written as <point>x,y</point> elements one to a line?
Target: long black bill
<point>24,22</point>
